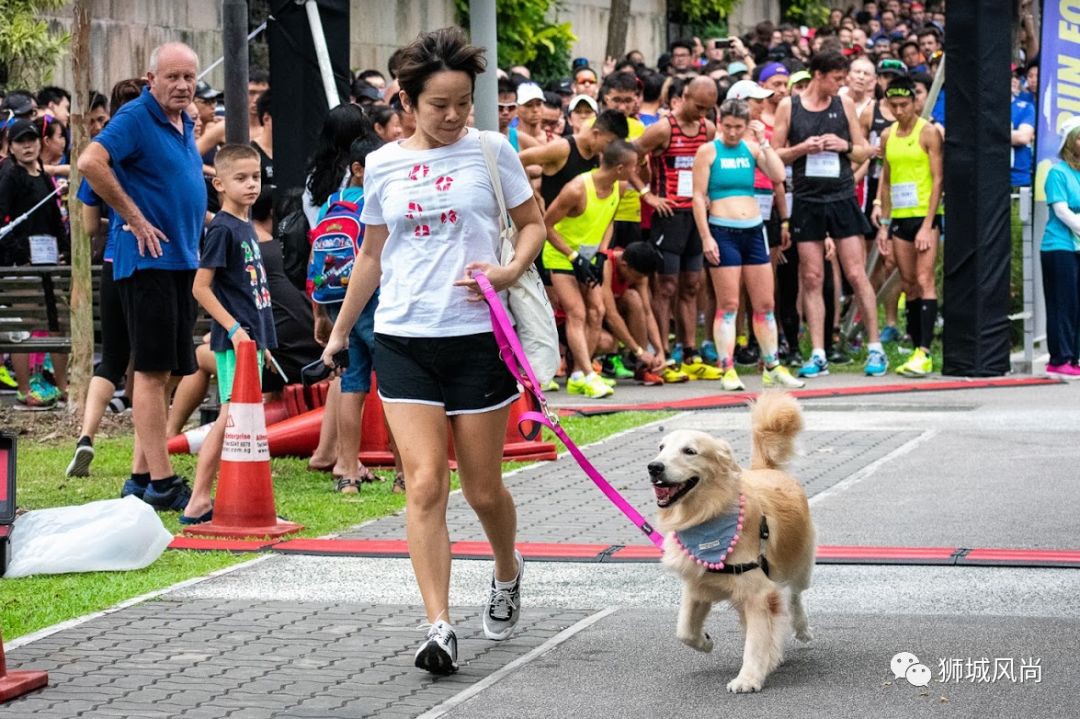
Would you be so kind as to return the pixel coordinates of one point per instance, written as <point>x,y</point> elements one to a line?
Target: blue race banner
<point>1059,82</point>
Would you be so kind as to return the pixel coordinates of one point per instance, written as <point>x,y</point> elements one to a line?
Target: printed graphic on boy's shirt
<point>260,286</point>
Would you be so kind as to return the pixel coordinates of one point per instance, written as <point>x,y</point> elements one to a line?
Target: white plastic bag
<point>113,534</point>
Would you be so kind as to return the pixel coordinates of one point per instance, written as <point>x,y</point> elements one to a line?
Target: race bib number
<point>685,187</point>
<point>823,164</point>
<point>904,196</point>
<point>44,250</point>
<point>765,205</point>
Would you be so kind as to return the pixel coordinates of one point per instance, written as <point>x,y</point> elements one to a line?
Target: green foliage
<point>526,37</point>
<point>28,50</point>
<point>703,13</point>
<point>812,13</point>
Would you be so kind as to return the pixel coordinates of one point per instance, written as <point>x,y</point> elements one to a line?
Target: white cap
<point>527,92</point>
<point>1071,124</point>
<point>577,99</point>
<point>748,90</point>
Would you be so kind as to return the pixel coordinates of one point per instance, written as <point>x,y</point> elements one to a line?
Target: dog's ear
<point>724,457</point>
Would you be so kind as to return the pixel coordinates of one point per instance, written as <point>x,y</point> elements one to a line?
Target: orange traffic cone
<point>297,436</point>
<point>244,506</point>
<point>191,441</point>
<point>515,446</point>
<point>15,684</point>
<point>374,434</point>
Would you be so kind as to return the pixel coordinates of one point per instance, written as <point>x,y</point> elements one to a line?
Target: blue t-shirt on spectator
<point>88,197</point>
<point>240,284</point>
<point>1023,113</point>
<point>1062,185</point>
<point>160,169</point>
<point>938,113</point>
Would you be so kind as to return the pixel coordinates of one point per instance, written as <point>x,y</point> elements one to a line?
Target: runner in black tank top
<point>818,134</point>
<point>551,185</point>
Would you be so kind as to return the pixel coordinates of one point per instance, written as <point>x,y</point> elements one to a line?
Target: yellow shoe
<point>779,376</point>
<point>551,386</point>
<point>589,386</point>
<point>671,375</point>
<point>730,381</point>
<point>918,364</point>
<point>696,369</point>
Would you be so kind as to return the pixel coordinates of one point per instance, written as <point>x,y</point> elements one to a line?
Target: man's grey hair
<point>168,46</point>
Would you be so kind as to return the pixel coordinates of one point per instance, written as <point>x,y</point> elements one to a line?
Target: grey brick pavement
<point>203,659</point>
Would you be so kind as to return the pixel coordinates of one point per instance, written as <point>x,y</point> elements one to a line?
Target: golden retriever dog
<point>700,488</point>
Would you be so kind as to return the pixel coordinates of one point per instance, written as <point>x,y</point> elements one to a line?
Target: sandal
<point>366,475</point>
<point>399,483</point>
<point>347,485</point>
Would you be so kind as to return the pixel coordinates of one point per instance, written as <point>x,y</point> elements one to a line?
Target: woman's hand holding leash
<point>500,278</point>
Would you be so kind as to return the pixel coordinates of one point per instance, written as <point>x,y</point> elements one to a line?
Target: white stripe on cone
<point>196,437</point>
<point>245,434</point>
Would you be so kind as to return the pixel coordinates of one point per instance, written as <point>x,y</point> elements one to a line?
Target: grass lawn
<point>30,603</point>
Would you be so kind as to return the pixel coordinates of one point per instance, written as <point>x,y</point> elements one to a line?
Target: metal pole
<point>1028,254</point>
<point>210,68</point>
<point>322,54</point>
<point>234,37</point>
<point>482,30</point>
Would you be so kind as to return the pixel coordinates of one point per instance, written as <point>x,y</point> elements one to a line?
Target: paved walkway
<point>302,636</point>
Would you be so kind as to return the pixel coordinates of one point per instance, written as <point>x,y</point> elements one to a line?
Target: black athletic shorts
<point>905,228</point>
<point>677,239</point>
<point>814,221</point>
<point>463,375</point>
<point>160,314</point>
<point>625,232</point>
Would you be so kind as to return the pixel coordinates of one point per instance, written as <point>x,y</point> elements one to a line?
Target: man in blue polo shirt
<point>145,166</point>
<point>1023,135</point>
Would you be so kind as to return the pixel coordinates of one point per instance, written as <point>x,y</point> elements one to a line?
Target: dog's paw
<point>805,634</point>
<point>702,643</point>
<point>743,685</point>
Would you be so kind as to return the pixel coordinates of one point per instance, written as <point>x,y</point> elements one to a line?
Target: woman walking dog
<point>432,221</point>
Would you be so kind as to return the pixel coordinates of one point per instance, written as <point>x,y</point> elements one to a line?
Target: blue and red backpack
<point>335,244</point>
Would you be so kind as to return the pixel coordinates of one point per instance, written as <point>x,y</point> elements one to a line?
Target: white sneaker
<point>438,653</point>
<point>503,607</point>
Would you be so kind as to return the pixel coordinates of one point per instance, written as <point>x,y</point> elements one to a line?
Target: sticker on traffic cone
<point>244,505</point>
<point>15,684</point>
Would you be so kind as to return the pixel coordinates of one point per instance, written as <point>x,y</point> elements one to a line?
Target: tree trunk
<point>618,22</point>
<point>80,366</point>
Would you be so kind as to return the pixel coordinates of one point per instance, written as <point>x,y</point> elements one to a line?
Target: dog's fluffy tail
<point>775,422</point>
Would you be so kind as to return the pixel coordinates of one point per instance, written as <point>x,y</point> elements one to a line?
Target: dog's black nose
<point>656,468</point>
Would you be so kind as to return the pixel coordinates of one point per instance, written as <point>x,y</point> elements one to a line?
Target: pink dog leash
<point>514,356</point>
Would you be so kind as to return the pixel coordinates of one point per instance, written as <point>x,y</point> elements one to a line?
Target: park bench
<point>39,298</point>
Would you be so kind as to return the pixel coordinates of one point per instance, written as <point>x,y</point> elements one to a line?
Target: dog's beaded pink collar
<point>702,542</point>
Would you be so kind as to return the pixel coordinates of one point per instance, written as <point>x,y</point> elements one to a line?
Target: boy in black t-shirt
<point>231,285</point>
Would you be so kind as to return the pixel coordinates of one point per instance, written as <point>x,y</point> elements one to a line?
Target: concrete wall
<point>123,32</point>
<point>379,27</point>
<point>589,21</point>
<point>749,13</point>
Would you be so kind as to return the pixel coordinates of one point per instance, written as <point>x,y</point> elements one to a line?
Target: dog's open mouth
<point>669,493</point>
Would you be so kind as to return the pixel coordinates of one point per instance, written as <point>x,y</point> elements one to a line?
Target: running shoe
<point>677,353</point>
<point>44,387</point>
<point>551,386</point>
<point>1063,371</point>
<point>7,380</point>
<point>671,374</point>
<point>590,386</point>
<point>696,369</point>
<point>647,378</point>
<point>33,401</point>
<point>438,652</point>
<point>730,381</point>
<point>747,354</point>
<point>614,367</point>
<point>890,334</point>
<point>877,364</point>
<point>135,487</point>
<point>837,355</point>
<point>816,366</point>
<point>918,364</point>
<point>780,376</point>
<point>709,353</point>
<point>173,498</point>
<point>503,608</point>
<point>84,455</point>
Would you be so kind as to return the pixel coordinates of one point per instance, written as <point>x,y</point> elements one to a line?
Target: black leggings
<point>115,346</point>
<point>787,285</point>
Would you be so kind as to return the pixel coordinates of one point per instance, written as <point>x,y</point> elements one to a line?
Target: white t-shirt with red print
<point>440,209</point>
